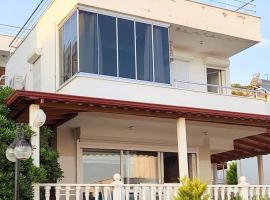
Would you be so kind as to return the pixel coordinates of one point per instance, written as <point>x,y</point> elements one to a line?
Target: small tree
<point>192,190</point>
<point>232,174</point>
<point>49,170</point>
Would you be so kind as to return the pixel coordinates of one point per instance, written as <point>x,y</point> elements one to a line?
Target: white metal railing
<point>242,6</point>
<point>119,191</point>
<point>223,90</point>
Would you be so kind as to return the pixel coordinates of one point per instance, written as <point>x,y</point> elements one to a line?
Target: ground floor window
<point>99,166</point>
<point>136,167</point>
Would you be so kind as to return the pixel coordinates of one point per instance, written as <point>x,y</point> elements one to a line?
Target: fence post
<point>36,192</point>
<point>244,186</point>
<point>118,185</point>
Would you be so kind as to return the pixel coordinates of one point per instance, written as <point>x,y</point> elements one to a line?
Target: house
<point>246,166</point>
<point>4,54</point>
<point>141,89</point>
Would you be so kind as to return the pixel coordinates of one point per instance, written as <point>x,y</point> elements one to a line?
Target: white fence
<point>119,191</point>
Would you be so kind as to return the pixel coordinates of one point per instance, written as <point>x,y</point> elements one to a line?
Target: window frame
<point>134,19</point>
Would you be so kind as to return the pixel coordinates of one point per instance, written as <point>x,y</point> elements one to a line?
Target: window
<point>161,54</point>
<point>99,166</point>
<point>88,42</point>
<point>68,49</point>
<point>126,48</point>
<point>140,167</point>
<point>214,80</point>
<point>144,51</point>
<point>115,47</point>
<point>107,45</point>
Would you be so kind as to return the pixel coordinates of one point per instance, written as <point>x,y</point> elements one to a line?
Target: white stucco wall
<point>188,14</point>
<point>110,88</point>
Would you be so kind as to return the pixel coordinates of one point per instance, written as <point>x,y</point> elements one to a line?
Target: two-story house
<point>139,88</point>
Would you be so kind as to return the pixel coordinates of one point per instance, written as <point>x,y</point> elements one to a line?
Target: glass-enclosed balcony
<point>124,47</point>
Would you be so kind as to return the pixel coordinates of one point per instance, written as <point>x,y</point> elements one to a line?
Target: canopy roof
<point>60,108</point>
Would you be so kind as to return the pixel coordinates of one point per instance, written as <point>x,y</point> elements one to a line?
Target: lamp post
<point>18,150</point>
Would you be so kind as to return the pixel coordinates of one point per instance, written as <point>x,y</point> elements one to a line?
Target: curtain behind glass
<point>107,45</point>
<point>73,39</point>
<point>126,48</point>
<point>144,52</point>
<point>88,42</point>
<point>161,54</point>
<point>67,50</point>
<point>140,167</point>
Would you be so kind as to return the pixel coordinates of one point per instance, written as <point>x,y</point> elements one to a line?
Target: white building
<point>139,88</point>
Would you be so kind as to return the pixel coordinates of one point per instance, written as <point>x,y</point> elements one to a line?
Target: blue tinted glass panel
<point>74,46</point>
<point>67,50</point>
<point>88,42</point>
<point>126,48</point>
<point>161,54</point>
<point>144,52</point>
<point>107,45</point>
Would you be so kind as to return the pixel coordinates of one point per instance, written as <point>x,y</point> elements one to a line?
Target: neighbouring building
<point>4,55</point>
<point>140,88</point>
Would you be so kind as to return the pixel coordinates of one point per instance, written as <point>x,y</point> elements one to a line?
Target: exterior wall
<point>205,172</point>
<point>110,131</point>
<point>45,34</point>
<point>44,37</point>
<point>18,65</point>
<point>66,147</point>
<point>120,89</point>
<point>188,14</point>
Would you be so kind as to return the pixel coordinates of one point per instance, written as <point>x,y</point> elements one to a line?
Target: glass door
<point>140,167</point>
<point>99,166</point>
<point>171,166</point>
<point>214,80</point>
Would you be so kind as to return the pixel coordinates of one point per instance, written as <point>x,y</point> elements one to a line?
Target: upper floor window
<point>68,49</point>
<point>114,47</point>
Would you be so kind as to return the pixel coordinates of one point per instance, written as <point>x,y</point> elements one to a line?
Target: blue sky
<point>243,65</point>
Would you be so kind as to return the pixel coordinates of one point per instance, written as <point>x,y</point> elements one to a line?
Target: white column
<point>35,139</point>
<point>182,147</point>
<point>214,169</point>
<point>260,169</point>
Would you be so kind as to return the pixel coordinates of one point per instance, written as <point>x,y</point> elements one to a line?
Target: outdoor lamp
<point>23,150</point>
<point>10,152</point>
<point>20,148</point>
<point>40,118</point>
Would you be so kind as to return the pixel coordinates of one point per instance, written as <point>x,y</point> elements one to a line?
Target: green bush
<point>192,190</point>
<point>49,170</point>
<point>232,174</point>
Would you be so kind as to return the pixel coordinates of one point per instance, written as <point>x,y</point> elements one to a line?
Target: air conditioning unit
<point>34,56</point>
<point>17,82</point>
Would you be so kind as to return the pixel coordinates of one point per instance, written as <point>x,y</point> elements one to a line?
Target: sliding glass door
<point>136,167</point>
<point>99,166</point>
<point>140,167</point>
<point>171,166</point>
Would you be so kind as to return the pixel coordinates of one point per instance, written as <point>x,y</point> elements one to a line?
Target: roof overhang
<point>60,108</point>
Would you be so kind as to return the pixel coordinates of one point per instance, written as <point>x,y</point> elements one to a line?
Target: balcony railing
<point>242,6</point>
<point>223,90</point>
<point>119,191</point>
